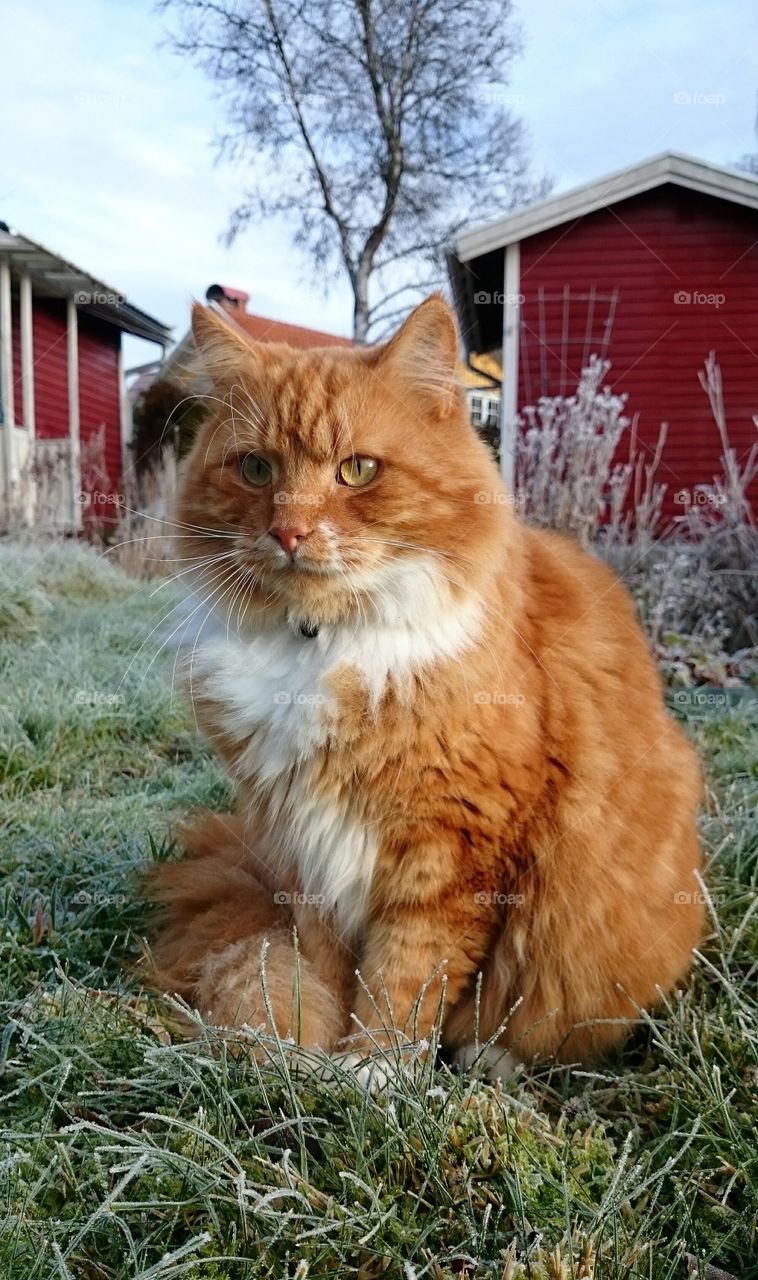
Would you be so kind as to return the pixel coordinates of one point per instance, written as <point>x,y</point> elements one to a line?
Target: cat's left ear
<point>424,352</point>
<point>221,345</point>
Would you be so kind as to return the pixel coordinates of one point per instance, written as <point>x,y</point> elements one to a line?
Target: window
<point>485,411</point>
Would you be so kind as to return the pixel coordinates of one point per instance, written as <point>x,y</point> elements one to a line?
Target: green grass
<point>125,1154</point>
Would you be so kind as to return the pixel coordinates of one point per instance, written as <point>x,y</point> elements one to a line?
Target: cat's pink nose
<point>289,538</point>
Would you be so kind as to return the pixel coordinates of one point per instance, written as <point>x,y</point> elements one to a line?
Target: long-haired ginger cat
<point>449,738</point>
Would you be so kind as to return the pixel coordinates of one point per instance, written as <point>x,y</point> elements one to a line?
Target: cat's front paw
<point>491,1061</point>
<point>376,1067</point>
<point>373,1072</point>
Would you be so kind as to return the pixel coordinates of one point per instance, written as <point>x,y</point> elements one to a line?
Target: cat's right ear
<point>423,354</point>
<point>221,345</point>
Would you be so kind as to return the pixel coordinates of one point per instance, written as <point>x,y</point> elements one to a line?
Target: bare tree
<point>380,127</point>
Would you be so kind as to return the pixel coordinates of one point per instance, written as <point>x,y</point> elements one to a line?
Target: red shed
<point>652,267</point>
<point>64,425</point>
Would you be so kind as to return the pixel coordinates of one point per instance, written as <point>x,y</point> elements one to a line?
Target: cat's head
<point>326,483</point>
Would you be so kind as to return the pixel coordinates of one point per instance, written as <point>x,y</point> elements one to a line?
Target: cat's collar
<point>303,627</point>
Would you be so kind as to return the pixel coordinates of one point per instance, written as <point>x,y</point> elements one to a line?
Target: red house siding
<point>99,389</point>
<point>50,368</point>
<point>683,270</point>
<point>99,408</point>
<point>18,408</point>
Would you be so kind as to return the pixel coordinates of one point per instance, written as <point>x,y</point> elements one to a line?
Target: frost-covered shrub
<point>141,545</point>
<point>568,472</point>
<point>579,468</point>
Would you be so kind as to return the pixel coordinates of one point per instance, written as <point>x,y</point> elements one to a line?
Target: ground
<point>128,1153</point>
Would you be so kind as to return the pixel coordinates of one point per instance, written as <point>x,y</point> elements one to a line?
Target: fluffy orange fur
<point>449,737</point>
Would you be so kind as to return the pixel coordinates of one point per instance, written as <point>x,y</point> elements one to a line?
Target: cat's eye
<point>256,470</point>
<point>357,471</point>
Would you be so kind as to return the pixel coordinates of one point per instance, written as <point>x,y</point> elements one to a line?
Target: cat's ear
<point>424,352</point>
<point>222,346</point>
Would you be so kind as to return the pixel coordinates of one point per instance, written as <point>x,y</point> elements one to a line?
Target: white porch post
<point>27,355</point>
<point>126,425</point>
<point>72,333</point>
<point>511,331</point>
<point>25,313</point>
<point>6,387</point>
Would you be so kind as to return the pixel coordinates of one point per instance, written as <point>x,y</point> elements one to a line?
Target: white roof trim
<point>54,277</point>
<point>670,166</point>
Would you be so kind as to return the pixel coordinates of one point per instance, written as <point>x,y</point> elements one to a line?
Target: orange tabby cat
<point>449,737</point>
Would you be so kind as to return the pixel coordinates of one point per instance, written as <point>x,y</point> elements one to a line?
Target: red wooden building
<point>64,421</point>
<point>653,268</point>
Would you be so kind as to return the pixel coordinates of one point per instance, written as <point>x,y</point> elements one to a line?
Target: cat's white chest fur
<point>274,693</point>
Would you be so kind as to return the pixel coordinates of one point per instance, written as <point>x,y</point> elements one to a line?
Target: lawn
<point>129,1153</point>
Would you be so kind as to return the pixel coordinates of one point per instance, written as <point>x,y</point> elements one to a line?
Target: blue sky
<point>107,152</point>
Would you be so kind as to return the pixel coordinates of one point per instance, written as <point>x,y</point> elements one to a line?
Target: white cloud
<point>599,82</point>
<point>109,159</point>
<point>110,163</point>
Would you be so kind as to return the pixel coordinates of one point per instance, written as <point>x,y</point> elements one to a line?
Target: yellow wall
<point>471,380</point>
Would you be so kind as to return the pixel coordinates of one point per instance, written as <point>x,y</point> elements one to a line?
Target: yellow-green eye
<point>357,471</point>
<point>256,470</point>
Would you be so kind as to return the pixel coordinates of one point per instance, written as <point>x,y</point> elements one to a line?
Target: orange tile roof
<point>262,329</point>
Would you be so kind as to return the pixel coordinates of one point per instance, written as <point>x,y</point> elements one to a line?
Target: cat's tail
<point>224,939</point>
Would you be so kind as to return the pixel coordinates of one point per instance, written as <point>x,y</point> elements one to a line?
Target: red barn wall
<point>99,407</point>
<point>18,405</point>
<point>50,367</point>
<point>99,390</point>
<point>684,268</point>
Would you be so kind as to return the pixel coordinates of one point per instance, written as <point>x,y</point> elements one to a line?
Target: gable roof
<point>668,167</point>
<point>182,362</point>
<point>54,277</point>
